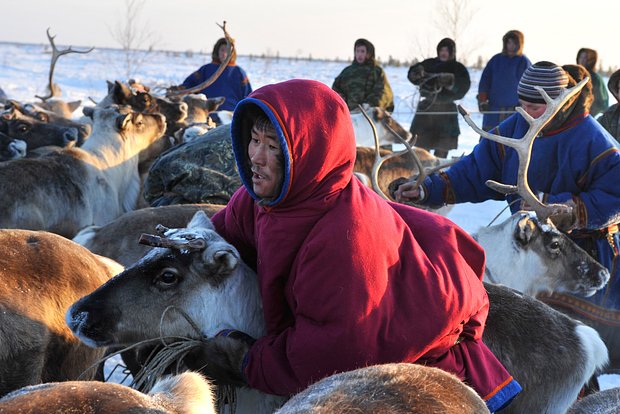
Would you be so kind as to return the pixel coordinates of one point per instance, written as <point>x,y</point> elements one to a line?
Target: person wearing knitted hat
<point>441,81</point>
<point>588,58</point>
<point>574,161</point>
<point>364,81</point>
<point>497,89</point>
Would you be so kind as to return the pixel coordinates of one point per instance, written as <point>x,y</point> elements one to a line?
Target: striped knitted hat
<point>549,76</point>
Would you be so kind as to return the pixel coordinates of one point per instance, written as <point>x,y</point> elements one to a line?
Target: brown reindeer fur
<point>390,388</point>
<point>402,166</point>
<point>187,393</point>
<point>41,275</point>
<point>118,239</point>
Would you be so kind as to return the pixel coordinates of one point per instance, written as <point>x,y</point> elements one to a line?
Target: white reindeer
<point>79,187</point>
<point>202,275</point>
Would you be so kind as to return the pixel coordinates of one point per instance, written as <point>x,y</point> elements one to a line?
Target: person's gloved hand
<point>483,102</point>
<point>566,222</point>
<point>403,190</point>
<point>221,358</point>
<point>445,80</point>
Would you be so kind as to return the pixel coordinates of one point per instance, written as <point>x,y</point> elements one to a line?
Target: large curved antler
<point>55,55</point>
<point>230,42</point>
<point>379,160</point>
<point>523,147</point>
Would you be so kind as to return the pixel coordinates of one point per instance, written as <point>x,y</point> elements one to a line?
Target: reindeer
<point>201,275</point>
<point>117,239</point>
<point>602,402</point>
<point>39,128</point>
<point>388,388</point>
<point>42,274</point>
<point>79,187</point>
<point>11,149</point>
<point>186,393</point>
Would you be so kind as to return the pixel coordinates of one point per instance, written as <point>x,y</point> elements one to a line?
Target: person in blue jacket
<point>574,161</point>
<point>233,83</point>
<point>497,90</point>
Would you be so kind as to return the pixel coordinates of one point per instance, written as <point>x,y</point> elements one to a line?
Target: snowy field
<point>24,71</point>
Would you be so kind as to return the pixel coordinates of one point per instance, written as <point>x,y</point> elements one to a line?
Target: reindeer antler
<point>379,160</point>
<point>55,55</point>
<point>523,147</point>
<point>230,42</point>
<point>196,244</point>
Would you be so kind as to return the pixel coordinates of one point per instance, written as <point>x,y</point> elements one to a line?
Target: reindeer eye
<point>168,278</point>
<point>22,128</point>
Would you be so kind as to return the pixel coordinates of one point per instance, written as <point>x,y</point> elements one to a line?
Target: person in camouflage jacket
<point>610,120</point>
<point>364,81</point>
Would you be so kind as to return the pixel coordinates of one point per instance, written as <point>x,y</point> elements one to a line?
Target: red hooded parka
<point>348,279</point>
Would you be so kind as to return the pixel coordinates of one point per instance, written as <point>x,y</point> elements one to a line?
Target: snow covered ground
<point>24,71</point>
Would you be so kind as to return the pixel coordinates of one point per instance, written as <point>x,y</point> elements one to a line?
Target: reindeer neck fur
<point>504,254</point>
<point>234,304</point>
<point>115,155</point>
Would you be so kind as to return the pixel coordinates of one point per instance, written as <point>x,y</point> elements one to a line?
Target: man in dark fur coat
<point>442,80</point>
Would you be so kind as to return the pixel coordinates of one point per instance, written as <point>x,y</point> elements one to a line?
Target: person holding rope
<point>442,80</point>
<point>347,279</point>
<point>574,161</point>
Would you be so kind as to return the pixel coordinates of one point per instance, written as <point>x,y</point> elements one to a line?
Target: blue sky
<point>405,29</point>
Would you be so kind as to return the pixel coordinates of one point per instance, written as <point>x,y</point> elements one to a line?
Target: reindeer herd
<point>76,283</point>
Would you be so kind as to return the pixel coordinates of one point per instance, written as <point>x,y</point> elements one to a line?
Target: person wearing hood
<point>610,120</point>
<point>364,81</point>
<point>347,279</point>
<point>497,90</point>
<point>588,59</point>
<point>233,83</point>
<point>574,161</point>
<point>441,80</point>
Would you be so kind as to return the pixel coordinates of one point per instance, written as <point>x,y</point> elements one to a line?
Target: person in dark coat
<point>588,59</point>
<point>233,83</point>
<point>364,81</point>
<point>303,222</point>
<point>442,80</point>
<point>574,161</point>
<point>610,120</point>
<point>497,90</point>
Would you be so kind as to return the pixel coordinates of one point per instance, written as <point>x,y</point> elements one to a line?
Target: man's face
<point>444,54</point>
<point>582,59</point>
<point>265,155</point>
<point>361,54</point>
<point>534,110</point>
<point>222,52</point>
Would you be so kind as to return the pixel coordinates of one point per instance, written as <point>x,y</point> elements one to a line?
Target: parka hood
<point>370,49</point>
<point>316,135</point>
<point>517,37</point>
<point>215,57</point>
<point>450,44</point>
<point>591,58</point>
<point>612,84</point>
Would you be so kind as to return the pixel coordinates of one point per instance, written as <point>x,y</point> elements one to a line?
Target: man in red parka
<point>347,279</point>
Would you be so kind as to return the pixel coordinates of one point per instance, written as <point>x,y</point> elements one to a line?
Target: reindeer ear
<point>74,105</point>
<point>122,121</point>
<point>214,103</point>
<point>526,229</point>
<point>200,220</point>
<point>88,111</point>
